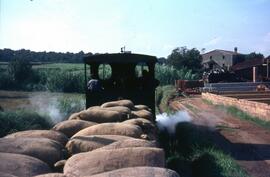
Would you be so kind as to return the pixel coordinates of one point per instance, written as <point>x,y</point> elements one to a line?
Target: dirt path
<point>248,143</point>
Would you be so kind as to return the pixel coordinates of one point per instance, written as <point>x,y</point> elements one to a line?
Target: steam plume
<point>169,122</point>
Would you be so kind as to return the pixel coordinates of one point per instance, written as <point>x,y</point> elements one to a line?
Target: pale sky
<point>153,27</point>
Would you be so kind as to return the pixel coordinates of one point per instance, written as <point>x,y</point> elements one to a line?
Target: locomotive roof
<point>120,58</point>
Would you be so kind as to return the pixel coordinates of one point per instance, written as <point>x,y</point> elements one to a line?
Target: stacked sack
<point>117,138</point>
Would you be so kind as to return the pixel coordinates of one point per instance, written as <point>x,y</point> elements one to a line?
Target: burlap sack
<point>129,143</point>
<point>111,129</point>
<point>44,149</point>
<point>50,134</point>
<point>139,172</point>
<point>93,107</point>
<point>52,175</point>
<point>141,107</point>
<point>6,175</point>
<point>88,143</point>
<point>126,103</point>
<point>147,127</point>
<point>70,127</point>
<point>94,162</point>
<point>74,116</point>
<point>125,111</point>
<point>22,165</point>
<point>141,122</point>
<point>100,115</point>
<point>142,114</point>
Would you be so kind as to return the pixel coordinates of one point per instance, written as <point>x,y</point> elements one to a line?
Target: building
<point>221,59</point>
<point>256,69</point>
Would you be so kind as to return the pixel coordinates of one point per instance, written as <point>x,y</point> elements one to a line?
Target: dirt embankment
<point>247,143</point>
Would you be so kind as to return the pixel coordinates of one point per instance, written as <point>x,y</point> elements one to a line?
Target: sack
<point>22,165</point>
<point>70,127</point>
<point>94,162</point>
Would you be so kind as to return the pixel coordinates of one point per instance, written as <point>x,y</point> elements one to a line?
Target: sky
<point>153,27</point>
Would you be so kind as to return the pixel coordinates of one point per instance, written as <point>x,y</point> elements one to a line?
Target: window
<point>104,71</point>
<point>223,57</point>
<point>210,57</point>
<point>140,67</point>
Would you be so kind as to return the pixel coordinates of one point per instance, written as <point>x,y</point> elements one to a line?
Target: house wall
<point>220,58</point>
<point>256,109</point>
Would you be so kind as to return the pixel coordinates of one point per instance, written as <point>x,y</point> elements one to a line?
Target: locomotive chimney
<point>235,49</point>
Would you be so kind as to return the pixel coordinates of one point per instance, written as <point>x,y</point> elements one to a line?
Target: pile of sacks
<point>115,139</point>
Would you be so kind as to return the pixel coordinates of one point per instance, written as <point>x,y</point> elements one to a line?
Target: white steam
<point>169,122</point>
<point>47,106</point>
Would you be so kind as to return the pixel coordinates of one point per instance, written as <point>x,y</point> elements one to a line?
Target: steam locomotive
<point>121,76</point>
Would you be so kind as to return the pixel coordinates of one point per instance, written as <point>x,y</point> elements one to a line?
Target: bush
<point>19,70</point>
<point>6,82</point>
<point>22,120</point>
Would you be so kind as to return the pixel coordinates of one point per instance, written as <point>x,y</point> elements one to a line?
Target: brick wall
<point>260,110</point>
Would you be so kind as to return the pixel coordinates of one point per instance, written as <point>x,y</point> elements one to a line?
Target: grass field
<point>57,66</point>
<point>57,106</point>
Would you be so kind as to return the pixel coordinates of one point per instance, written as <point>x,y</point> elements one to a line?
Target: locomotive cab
<point>121,76</point>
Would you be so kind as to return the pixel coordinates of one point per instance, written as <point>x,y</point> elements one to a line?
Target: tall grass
<point>70,104</point>
<point>62,81</point>
<point>191,152</point>
<point>163,95</point>
<point>22,120</point>
<point>70,77</point>
<point>168,74</point>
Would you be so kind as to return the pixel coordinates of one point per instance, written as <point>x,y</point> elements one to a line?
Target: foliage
<point>31,56</point>
<point>254,55</point>
<point>168,74</point>
<point>69,77</point>
<point>191,152</point>
<point>19,70</point>
<point>22,120</point>
<point>71,104</point>
<point>182,57</point>
<point>163,95</point>
<point>65,81</point>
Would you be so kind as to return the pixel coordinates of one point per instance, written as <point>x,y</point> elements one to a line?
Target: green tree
<point>254,55</point>
<point>19,70</point>
<point>181,57</point>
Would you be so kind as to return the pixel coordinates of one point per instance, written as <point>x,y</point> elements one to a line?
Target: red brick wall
<point>260,110</point>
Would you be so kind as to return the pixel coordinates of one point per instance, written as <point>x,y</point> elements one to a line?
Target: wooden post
<point>254,74</point>
<point>267,68</point>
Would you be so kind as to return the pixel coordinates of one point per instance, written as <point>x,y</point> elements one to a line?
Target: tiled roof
<point>222,51</point>
<point>248,64</point>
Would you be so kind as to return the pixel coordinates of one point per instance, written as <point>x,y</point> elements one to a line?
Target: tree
<point>254,55</point>
<point>181,57</point>
<point>19,69</point>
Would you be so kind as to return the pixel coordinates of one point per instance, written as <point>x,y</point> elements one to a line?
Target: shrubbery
<point>168,74</point>
<point>190,152</point>
<point>22,120</point>
<point>65,81</point>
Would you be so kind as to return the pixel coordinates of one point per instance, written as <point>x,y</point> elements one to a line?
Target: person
<point>94,85</point>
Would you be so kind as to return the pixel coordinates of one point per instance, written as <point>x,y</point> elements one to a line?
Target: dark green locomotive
<point>121,76</point>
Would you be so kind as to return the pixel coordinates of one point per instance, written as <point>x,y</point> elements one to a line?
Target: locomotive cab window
<point>104,71</point>
<point>140,68</point>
